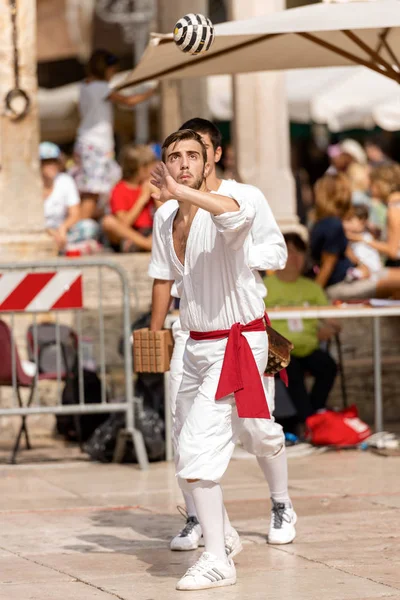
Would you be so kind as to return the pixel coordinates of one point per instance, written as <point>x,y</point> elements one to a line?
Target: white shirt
<point>266,249</point>
<point>370,257</point>
<point>56,205</point>
<point>216,284</point>
<point>97,116</point>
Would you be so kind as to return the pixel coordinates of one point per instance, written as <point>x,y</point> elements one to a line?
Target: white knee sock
<point>208,500</point>
<point>191,511</point>
<point>190,505</point>
<point>276,473</point>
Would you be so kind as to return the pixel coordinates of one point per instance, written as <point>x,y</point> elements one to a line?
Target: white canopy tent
<point>358,99</point>
<point>340,97</point>
<point>58,109</point>
<point>319,35</point>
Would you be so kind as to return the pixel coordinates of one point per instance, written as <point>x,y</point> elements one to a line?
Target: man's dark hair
<point>203,126</point>
<point>296,241</point>
<point>180,136</point>
<point>361,211</point>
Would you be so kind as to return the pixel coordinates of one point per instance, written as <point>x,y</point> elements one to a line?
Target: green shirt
<point>303,333</point>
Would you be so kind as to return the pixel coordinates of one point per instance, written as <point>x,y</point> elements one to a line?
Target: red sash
<point>239,374</point>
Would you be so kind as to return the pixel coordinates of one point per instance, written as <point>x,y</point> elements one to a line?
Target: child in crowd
<point>62,204</point>
<point>94,148</point>
<point>289,288</point>
<point>357,224</point>
<point>359,176</point>
<point>130,223</point>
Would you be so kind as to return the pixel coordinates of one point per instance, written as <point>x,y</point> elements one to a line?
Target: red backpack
<point>337,428</point>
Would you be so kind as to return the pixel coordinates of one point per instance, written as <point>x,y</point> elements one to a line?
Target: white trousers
<point>261,437</point>
<point>205,431</point>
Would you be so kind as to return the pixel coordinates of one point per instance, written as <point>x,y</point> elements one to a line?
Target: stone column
<point>22,232</point>
<point>187,98</point>
<point>261,125</point>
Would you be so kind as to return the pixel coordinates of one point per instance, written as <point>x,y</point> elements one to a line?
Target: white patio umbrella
<point>388,115</point>
<point>302,85</point>
<point>361,98</point>
<point>319,35</point>
<point>340,97</point>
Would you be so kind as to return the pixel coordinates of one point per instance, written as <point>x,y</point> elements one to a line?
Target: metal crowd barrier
<point>55,287</point>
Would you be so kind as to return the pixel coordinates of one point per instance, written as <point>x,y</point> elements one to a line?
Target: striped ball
<point>194,34</point>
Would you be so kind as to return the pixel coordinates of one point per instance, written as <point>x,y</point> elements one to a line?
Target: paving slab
<point>74,590</point>
<point>80,530</point>
<point>17,570</point>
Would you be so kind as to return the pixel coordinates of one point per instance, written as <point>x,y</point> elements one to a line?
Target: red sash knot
<point>239,374</point>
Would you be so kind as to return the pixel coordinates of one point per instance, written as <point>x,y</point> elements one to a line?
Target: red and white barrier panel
<point>40,292</point>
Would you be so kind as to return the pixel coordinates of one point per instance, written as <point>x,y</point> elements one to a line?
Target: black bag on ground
<point>102,443</point>
<point>75,427</point>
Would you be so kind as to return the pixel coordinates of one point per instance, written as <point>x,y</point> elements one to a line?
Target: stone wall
<point>357,345</point>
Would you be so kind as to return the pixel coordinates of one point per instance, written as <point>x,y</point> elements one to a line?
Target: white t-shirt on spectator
<point>56,205</point>
<point>370,257</point>
<point>97,116</point>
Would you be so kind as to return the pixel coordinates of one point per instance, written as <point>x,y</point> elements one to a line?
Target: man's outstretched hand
<point>165,183</point>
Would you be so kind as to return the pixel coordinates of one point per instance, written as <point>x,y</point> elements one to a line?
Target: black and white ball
<point>194,34</point>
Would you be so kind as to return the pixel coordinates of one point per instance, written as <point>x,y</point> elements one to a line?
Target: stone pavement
<point>84,531</point>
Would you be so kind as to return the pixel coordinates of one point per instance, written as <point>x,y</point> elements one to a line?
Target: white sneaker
<point>189,538</point>
<point>233,545</point>
<point>208,572</point>
<point>283,520</point>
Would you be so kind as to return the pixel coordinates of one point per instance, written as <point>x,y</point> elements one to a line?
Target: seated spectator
<point>289,288</point>
<point>359,176</point>
<point>130,225</point>
<point>385,185</point>
<point>62,202</point>
<point>356,223</point>
<point>332,252</point>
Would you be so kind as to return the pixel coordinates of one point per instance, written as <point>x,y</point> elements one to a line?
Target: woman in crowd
<point>331,250</point>
<point>61,202</point>
<point>385,185</point>
<point>96,171</point>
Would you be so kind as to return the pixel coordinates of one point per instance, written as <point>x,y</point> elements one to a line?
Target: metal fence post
<point>131,430</point>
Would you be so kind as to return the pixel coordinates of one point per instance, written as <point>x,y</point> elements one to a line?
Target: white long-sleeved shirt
<point>216,286</point>
<point>266,249</point>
